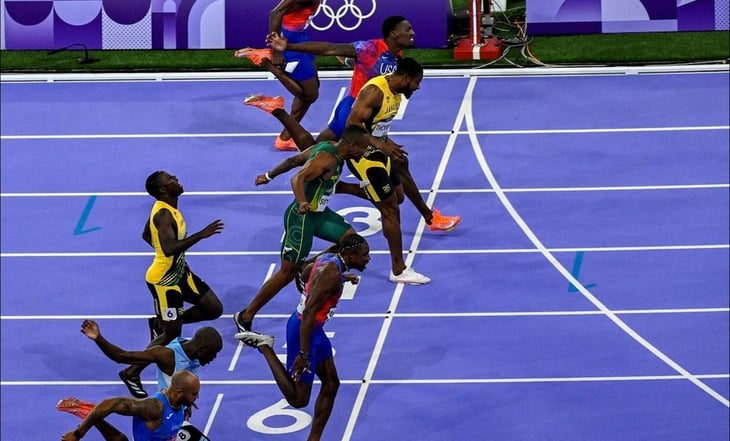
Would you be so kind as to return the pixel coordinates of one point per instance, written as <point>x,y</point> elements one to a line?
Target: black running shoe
<point>241,327</point>
<point>298,282</point>
<point>133,383</point>
<point>155,327</point>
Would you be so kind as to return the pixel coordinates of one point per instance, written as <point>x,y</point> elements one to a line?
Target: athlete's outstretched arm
<point>279,43</point>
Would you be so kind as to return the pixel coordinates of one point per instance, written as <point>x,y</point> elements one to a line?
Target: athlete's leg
<point>410,188</point>
<point>327,373</point>
<point>302,102</point>
<point>298,237</point>
<point>390,217</point>
<point>209,307</point>
<point>299,134</point>
<point>296,393</point>
<point>268,290</point>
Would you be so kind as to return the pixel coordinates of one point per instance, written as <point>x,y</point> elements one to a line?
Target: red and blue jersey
<point>373,59</point>
<point>330,305</point>
<point>298,19</point>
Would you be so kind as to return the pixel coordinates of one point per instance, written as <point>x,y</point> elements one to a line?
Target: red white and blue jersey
<point>330,305</point>
<point>373,59</point>
<point>298,19</point>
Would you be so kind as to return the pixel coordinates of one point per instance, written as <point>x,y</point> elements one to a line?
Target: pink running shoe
<point>287,146</point>
<point>74,406</point>
<point>443,223</point>
<point>264,102</point>
<point>257,56</point>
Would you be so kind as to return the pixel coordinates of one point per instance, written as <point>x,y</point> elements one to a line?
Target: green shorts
<point>301,229</point>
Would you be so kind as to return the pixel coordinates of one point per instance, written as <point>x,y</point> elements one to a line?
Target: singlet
<point>182,363</point>
<point>166,271</point>
<point>172,421</point>
<point>373,59</point>
<point>330,305</point>
<point>379,124</point>
<point>319,191</point>
<point>299,19</point>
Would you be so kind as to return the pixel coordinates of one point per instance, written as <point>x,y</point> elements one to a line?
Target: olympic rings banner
<point>551,17</point>
<point>201,24</point>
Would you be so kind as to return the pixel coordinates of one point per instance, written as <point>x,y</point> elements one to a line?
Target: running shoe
<point>255,339</point>
<point>74,406</point>
<point>257,56</point>
<point>440,222</point>
<point>266,103</point>
<point>286,146</point>
<point>155,327</point>
<point>245,327</point>
<point>299,282</point>
<point>133,383</point>
<point>409,277</point>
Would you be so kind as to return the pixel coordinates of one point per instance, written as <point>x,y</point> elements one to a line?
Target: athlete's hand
<point>276,41</point>
<point>299,367</point>
<point>214,227</point>
<point>90,329</point>
<point>304,207</point>
<point>261,180</point>
<point>352,278</point>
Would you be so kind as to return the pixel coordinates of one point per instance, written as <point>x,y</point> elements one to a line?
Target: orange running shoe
<point>74,406</point>
<point>257,56</point>
<point>443,223</point>
<point>287,146</point>
<point>264,102</point>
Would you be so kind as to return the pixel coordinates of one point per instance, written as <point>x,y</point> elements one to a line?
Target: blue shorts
<point>299,65</point>
<point>342,112</point>
<point>320,348</point>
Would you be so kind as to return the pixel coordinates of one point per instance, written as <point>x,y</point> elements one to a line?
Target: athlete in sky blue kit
<point>158,418</point>
<point>309,351</point>
<point>296,71</point>
<point>370,57</point>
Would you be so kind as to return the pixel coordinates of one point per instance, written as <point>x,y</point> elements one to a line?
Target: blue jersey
<point>182,363</point>
<point>172,420</point>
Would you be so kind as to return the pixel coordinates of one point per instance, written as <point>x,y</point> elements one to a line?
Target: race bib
<point>322,204</point>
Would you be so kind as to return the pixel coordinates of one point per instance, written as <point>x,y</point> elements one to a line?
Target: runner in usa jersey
<point>309,351</point>
<point>371,58</point>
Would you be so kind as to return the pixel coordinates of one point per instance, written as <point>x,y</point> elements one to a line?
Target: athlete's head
<point>162,183</point>
<point>357,139</point>
<point>184,388</point>
<point>408,75</point>
<point>399,31</point>
<point>209,343</point>
<point>355,251</point>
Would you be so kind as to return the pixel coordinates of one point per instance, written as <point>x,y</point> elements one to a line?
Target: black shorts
<point>375,167</point>
<point>169,300</point>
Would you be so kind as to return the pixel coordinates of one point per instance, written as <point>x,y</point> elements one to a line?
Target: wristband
<point>78,434</point>
<point>266,175</point>
<point>304,355</point>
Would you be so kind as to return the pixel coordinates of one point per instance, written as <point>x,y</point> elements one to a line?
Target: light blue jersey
<point>182,362</point>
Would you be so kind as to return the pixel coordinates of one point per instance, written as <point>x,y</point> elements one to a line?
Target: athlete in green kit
<point>308,216</point>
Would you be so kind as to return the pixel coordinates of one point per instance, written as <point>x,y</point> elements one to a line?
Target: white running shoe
<point>255,339</point>
<point>410,277</point>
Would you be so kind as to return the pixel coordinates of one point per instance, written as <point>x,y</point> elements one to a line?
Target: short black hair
<point>390,23</point>
<point>410,67</point>
<point>353,133</point>
<point>152,184</point>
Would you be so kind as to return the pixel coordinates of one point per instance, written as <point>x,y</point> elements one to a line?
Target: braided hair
<point>350,243</point>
